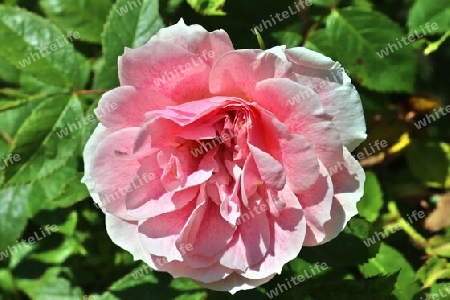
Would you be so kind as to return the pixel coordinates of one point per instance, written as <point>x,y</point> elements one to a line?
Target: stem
<point>435,45</point>
<point>409,230</point>
<point>6,137</point>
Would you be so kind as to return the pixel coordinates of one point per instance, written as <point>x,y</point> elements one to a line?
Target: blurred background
<point>58,56</point>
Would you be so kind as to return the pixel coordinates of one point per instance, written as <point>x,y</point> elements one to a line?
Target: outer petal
<point>288,234</point>
<point>176,61</point>
<point>228,77</point>
<point>131,105</point>
<point>317,203</point>
<point>159,234</point>
<point>156,66</point>
<point>348,189</point>
<point>250,242</point>
<point>338,95</point>
<point>196,39</point>
<point>306,118</point>
<point>99,134</point>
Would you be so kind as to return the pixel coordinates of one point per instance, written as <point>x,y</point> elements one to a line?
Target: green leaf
<point>370,204</point>
<point>389,261</point>
<point>6,281</point>
<point>184,284</point>
<point>194,296</point>
<point>291,36</point>
<point>47,170</point>
<point>359,38</point>
<point>430,162</point>
<point>13,218</point>
<point>23,35</point>
<point>85,16</point>
<point>376,288</point>
<point>363,4</point>
<point>9,73</point>
<point>208,7</point>
<point>320,41</point>
<point>425,11</point>
<point>123,29</point>
<point>57,254</point>
<point>50,286</point>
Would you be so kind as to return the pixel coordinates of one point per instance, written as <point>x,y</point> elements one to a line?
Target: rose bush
<point>239,145</point>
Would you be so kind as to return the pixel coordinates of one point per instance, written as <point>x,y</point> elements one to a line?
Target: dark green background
<point>80,260</point>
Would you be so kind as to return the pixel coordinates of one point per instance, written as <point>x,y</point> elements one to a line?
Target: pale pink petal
<point>338,95</point>
<point>294,152</point>
<point>316,203</point>
<point>165,71</point>
<point>306,117</point>
<point>126,106</point>
<point>196,39</point>
<point>209,274</point>
<point>271,171</point>
<point>348,189</point>
<point>229,77</point>
<point>288,234</point>
<point>159,234</point>
<point>251,240</point>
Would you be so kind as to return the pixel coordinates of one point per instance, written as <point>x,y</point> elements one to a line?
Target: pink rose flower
<point>221,164</point>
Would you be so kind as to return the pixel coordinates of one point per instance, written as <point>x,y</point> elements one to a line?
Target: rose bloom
<point>221,164</point>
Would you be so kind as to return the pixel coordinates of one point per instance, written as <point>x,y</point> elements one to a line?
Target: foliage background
<point>413,173</point>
